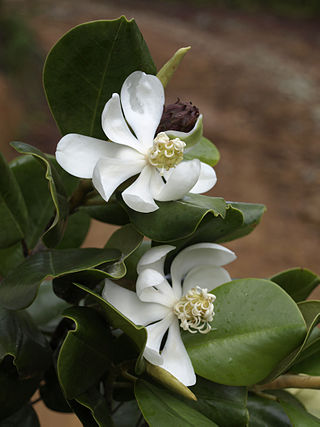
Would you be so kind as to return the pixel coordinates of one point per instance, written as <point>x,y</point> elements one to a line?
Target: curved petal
<point>197,255</point>
<point>155,333</point>
<point>115,127</point>
<point>153,287</point>
<point>138,196</point>
<point>109,173</point>
<point>175,357</point>
<point>206,181</point>
<point>154,258</point>
<point>142,99</point>
<point>197,128</point>
<point>180,182</point>
<point>78,154</point>
<point>206,276</point>
<point>129,305</point>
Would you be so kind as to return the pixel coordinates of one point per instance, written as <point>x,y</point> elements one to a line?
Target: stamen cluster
<point>195,310</point>
<point>166,153</point>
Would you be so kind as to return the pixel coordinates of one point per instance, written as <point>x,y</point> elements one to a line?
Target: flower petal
<point>109,173</point>
<point>155,333</point>
<point>154,287</point>
<point>154,258</point>
<point>206,181</point>
<point>78,154</point>
<point>206,276</point>
<point>129,305</point>
<point>115,127</point>
<point>138,196</point>
<point>197,128</point>
<point>180,182</point>
<point>175,357</point>
<point>142,99</point>
<point>197,255</point>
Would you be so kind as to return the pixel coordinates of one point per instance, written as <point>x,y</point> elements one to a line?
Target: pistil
<point>166,153</point>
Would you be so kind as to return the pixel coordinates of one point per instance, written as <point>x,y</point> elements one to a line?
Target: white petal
<point>78,154</point>
<point>153,287</point>
<point>138,196</point>
<point>196,255</point>
<point>155,333</point>
<point>175,357</point>
<point>206,181</point>
<point>142,99</point>
<point>109,173</point>
<point>115,127</point>
<point>154,258</point>
<point>206,276</point>
<point>127,302</point>
<point>180,182</point>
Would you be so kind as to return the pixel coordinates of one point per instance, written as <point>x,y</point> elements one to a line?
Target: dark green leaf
<point>134,258</point>
<point>20,287</point>
<point>265,412</point>
<point>96,57</point>
<point>46,310</point>
<point>297,282</point>
<point>13,211</point>
<point>311,314</point>
<point>51,393</point>
<point>162,409</point>
<point>309,361</point>
<point>205,151</point>
<point>126,240</point>
<point>127,415</point>
<point>14,391</point>
<point>85,354</point>
<point>78,225</point>
<point>138,334</point>
<point>57,190</point>
<point>10,258</point>
<point>25,417</point>
<point>98,407</point>
<point>20,338</point>
<point>111,212</point>
<point>245,325</point>
<point>222,404</point>
<point>181,217</point>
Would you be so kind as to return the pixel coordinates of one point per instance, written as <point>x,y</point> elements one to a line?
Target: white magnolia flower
<point>157,159</point>
<point>161,306</point>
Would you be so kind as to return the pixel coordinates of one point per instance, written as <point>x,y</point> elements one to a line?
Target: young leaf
<point>20,287</point>
<point>169,68</point>
<point>13,211</point>
<point>112,50</point>
<point>245,325</point>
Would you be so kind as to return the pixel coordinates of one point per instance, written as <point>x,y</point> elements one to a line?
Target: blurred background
<point>253,71</point>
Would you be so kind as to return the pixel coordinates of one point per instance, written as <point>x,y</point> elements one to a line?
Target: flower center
<point>166,153</point>
<point>195,310</point>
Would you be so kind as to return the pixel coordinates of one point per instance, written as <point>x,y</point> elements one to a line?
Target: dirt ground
<point>256,80</point>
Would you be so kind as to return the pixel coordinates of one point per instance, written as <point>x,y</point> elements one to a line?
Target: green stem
<point>290,381</point>
<point>79,195</point>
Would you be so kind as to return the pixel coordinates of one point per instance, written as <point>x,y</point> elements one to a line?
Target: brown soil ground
<point>256,80</point>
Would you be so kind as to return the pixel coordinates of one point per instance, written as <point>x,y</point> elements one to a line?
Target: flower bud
<point>180,116</point>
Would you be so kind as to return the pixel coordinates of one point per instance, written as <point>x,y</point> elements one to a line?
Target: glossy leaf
<point>127,415</point>
<point>46,310</point>
<point>297,282</point>
<point>13,211</point>
<point>25,416</point>
<point>85,354</point>
<point>20,287</point>
<point>126,240</point>
<point>78,225</point>
<point>205,151</point>
<point>138,334</point>
<point>181,217</point>
<point>111,212</point>
<point>30,175</point>
<point>14,391</point>
<point>245,325</point>
<point>51,393</point>
<point>20,338</point>
<point>10,258</point>
<point>161,409</point>
<point>266,412</point>
<point>222,404</point>
<point>98,407</point>
<point>57,190</point>
<point>112,50</point>
<point>311,314</point>
<point>309,361</point>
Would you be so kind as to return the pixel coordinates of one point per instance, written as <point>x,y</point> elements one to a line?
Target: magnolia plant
<point>151,329</point>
